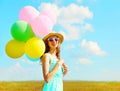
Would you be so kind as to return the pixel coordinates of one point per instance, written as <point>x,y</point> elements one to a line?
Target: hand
<point>60,62</point>
<point>65,67</point>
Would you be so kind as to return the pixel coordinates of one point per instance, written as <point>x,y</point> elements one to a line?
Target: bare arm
<point>45,67</point>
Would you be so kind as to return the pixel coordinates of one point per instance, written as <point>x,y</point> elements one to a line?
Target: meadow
<point>68,86</point>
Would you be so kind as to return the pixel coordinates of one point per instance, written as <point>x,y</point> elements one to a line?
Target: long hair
<point>47,49</point>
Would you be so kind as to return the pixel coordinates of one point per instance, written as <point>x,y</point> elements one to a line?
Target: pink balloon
<point>41,25</point>
<point>50,14</point>
<point>28,13</point>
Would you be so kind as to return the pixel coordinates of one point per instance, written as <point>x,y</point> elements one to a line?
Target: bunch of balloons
<point>27,30</point>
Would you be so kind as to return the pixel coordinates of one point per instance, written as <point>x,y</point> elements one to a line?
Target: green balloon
<point>22,31</point>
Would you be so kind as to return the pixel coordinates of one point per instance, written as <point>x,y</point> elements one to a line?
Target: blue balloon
<point>33,59</point>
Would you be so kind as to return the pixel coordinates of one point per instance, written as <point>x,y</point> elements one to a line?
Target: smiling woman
<point>53,65</point>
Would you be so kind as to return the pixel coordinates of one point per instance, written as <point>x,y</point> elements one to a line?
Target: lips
<point>54,44</point>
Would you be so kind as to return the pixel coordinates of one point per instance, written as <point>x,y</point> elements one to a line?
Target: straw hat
<point>54,34</point>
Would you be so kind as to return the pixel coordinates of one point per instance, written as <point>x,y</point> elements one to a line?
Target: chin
<point>54,46</point>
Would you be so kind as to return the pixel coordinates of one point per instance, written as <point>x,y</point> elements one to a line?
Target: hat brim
<point>54,34</point>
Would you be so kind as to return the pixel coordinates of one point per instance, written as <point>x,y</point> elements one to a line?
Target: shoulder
<point>45,57</point>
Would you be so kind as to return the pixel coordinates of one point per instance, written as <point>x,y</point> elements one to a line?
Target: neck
<point>52,51</point>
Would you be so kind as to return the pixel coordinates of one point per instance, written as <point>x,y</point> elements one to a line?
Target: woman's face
<point>53,41</point>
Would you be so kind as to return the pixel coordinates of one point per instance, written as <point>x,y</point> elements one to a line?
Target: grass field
<point>68,86</point>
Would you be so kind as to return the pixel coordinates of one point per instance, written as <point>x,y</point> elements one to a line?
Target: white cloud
<point>88,27</point>
<point>92,47</point>
<point>85,61</point>
<point>71,18</point>
<point>73,33</point>
<point>26,61</point>
<point>17,65</point>
<point>74,14</point>
<point>49,6</point>
<point>17,72</point>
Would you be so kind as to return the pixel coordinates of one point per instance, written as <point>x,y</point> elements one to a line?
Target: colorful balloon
<point>14,48</point>
<point>33,59</point>
<point>50,14</point>
<point>42,25</point>
<point>35,47</point>
<point>28,13</point>
<point>22,31</point>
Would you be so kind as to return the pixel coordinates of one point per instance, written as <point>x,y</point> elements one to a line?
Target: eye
<point>50,39</point>
<point>53,39</point>
<point>56,39</point>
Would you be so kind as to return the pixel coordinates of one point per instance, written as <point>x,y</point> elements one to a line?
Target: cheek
<point>49,43</point>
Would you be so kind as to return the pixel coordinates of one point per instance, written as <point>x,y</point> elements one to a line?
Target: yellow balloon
<point>34,47</point>
<point>14,48</point>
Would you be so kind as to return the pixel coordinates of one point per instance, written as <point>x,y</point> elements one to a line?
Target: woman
<point>53,65</point>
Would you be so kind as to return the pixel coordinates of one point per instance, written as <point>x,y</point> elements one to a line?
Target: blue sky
<point>91,48</point>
